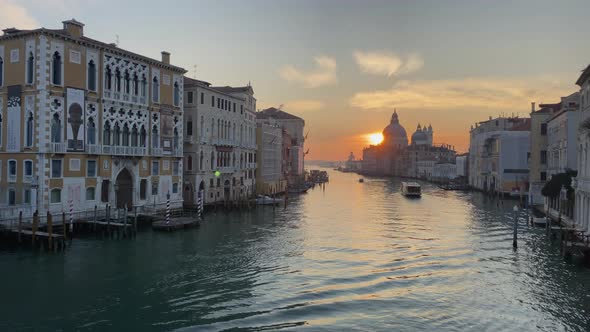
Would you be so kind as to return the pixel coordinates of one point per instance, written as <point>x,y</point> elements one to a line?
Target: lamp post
<point>514,237</point>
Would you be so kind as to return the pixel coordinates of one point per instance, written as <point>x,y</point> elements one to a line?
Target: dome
<point>395,134</point>
<point>420,137</point>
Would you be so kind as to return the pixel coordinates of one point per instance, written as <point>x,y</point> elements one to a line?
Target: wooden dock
<point>175,224</point>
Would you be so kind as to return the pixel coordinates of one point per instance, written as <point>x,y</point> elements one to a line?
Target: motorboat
<point>267,200</point>
<point>411,189</point>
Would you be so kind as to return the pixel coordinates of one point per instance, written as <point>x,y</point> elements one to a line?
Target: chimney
<point>74,28</point>
<point>533,106</point>
<point>166,57</point>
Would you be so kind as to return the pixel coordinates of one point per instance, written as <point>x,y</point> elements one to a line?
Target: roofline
<point>95,43</point>
<point>583,76</point>
<point>203,86</point>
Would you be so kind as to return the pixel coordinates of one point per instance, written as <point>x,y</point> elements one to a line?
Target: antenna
<point>117,40</point>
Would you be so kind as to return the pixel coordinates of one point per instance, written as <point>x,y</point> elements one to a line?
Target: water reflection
<point>352,256</point>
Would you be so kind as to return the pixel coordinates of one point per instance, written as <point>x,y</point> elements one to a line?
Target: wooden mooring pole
<point>50,230</point>
<point>514,237</point>
<point>20,225</point>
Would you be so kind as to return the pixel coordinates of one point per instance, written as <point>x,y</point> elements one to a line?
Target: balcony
<point>177,153</point>
<point>189,139</point>
<point>57,147</point>
<point>94,149</point>
<point>157,152</point>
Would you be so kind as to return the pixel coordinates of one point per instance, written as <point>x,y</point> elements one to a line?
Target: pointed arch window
<point>56,129</point>
<point>176,140</point>
<point>155,137</point>
<point>142,137</point>
<point>127,82</point>
<point>117,135</point>
<point>56,68</point>
<point>143,86</point>
<point>91,133</point>
<point>106,134</point>
<point>155,90</point>
<point>134,135</point>
<point>30,68</point>
<point>135,85</point>
<point>29,131</point>
<point>125,138</point>
<point>91,76</point>
<point>108,78</point>
<point>201,161</point>
<point>189,163</point>
<point>117,80</point>
<point>212,160</point>
<point>176,94</point>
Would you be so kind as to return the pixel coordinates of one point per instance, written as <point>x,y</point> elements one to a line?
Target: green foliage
<point>553,187</point>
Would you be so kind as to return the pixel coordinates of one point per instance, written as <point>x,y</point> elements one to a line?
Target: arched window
<point>155,137</point>
<point>92,76</point>
<point>30,68</point>
<point>125,139</point>
<point>108,78</point>
<point>143,86</point>
<point>117,135</point>
<point>56,69</point>
<point>55,129</point>
<point>155,90</point>
<point>106,135</point>
<point>127,82</point>
<point>201,161</point>
<point>189,163</point>
<point>234,159</point>
<point>218,128</point>
<point>176,94</point>
<point>91,139</point>
<point>29,131</point>
<point>135,85</point>
<point>142,137</point>
<point>134,135</point>
<point>212,160</point>
<point>117,80</point>
<point>1,71</point>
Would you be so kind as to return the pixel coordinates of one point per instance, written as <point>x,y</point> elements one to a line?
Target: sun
<point>375,138</point>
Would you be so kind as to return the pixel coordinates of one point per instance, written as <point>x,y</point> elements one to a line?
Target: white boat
<point>411,189</point>
<point>267,200</point>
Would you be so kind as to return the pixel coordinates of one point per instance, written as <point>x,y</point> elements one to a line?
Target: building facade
<point>562,136</point>
<point>270,178</point>
<point>499,151</point>
<point>582,183</point>
<point>86,123</point>
<point>219,143</point>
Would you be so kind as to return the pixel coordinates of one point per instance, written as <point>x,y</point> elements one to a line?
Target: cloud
<point>304,105</point>
<point>323,74</point>
<point>380,63</point>
<point>15,15</point>
<point>470,93</point>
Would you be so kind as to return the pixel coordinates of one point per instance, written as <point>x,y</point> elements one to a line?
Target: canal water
<point>350,257</point>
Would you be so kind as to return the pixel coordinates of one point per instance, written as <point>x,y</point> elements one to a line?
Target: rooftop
<point>276,113</point>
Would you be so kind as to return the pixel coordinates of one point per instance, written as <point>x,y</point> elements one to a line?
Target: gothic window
<point>92,76</point>
<point>116,135</point>
<point>29,131</point>
<point>201,161</point>
<point>189,128</point>
<point>55,129</point>
<point>117,80</point>
<point>56,68</point>
<point>135,85</point>
<point>30,68</point>
<point>1,71</point>
<point>108,78</point>
<point>91,139</point>
<point>155,90</point>
<point>143,86</point>
<point>125,139</point>
<point>142,136</point>
<point>106,136</point>
<point>142,189</point>
<point>176,94</point>
<point>212,160</point>
<point>189,163</point>
<point>134,136</point>
<point>155,137</point>
<point>127,82</point>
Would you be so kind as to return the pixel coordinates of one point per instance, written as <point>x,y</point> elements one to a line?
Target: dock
<point>175,224</point>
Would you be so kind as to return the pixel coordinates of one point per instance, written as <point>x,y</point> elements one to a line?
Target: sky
<point>344,66</point>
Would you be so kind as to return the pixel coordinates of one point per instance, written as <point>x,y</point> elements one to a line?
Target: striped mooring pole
<point>168,208</point>
<point>71,215</point>
<point>200,203</point>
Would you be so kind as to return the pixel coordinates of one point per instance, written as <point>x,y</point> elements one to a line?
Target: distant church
<point>395,157</point>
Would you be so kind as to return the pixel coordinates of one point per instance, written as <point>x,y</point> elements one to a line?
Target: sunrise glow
<point>375,138</point>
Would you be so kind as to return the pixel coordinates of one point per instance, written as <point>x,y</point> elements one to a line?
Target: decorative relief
<point>14,55</point>
<point>75,57</point>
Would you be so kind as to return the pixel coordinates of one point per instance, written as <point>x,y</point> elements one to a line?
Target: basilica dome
<point>395,134</point>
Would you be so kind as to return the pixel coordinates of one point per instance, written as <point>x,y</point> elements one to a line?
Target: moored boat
<point>267,200</point>
<point>411,189</point>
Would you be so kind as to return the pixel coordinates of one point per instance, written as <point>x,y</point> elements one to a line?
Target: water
<point>357,256</point>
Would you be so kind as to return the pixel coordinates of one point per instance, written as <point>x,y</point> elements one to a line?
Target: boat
<point>267,200</point>
<point>361,180</point>
<point>411,189</point>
